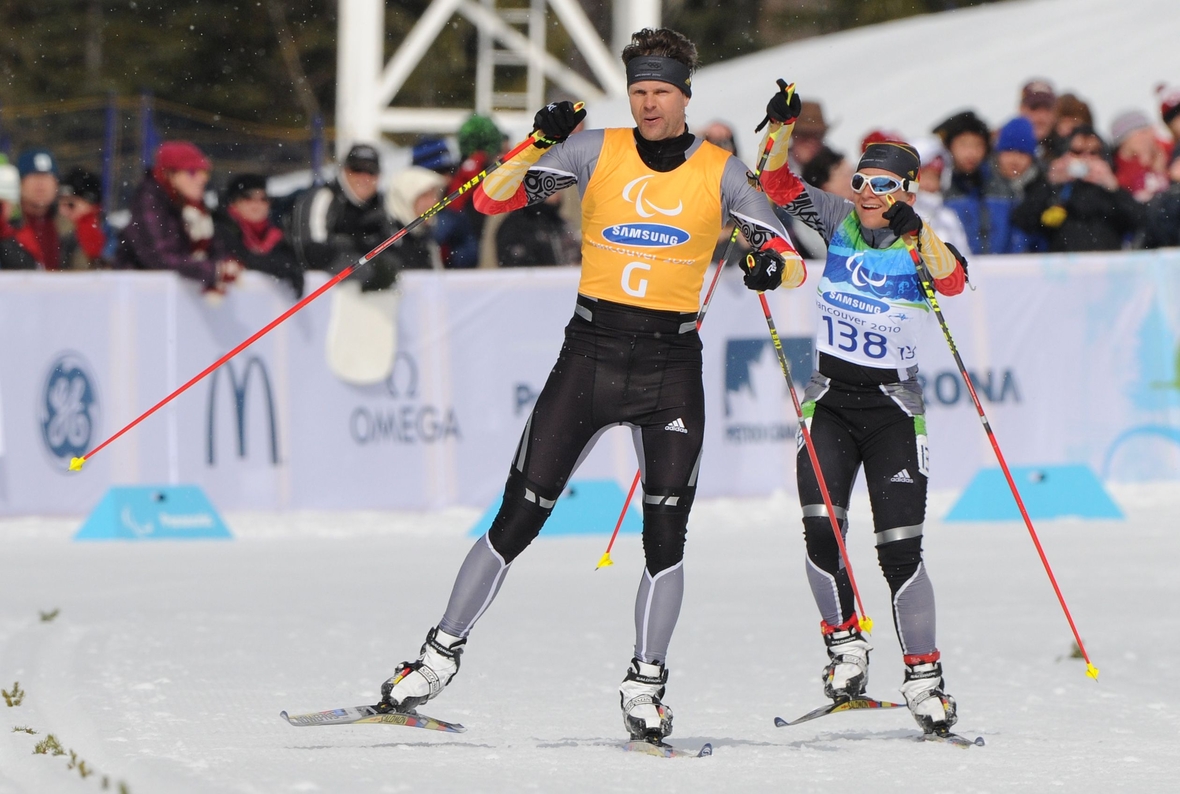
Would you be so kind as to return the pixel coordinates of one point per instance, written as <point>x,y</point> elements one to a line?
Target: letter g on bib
<point>639,289</point>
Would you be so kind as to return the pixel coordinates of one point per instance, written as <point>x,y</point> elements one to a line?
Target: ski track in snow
<point>169,662</point>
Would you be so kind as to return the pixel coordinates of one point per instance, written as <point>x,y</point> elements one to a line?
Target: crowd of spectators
<point>1044,180</point>
<point>175,222</point>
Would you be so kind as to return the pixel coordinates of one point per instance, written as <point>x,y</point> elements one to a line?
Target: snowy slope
<point>910,74</point>
<point>169,663</point>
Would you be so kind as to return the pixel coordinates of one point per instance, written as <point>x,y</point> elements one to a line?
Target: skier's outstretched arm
<point>540,170</point>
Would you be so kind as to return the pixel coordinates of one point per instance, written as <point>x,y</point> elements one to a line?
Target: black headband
<point>665,70</point>
<point>896,158</point>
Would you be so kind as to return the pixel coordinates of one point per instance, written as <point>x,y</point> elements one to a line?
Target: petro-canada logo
<point>68,411</point>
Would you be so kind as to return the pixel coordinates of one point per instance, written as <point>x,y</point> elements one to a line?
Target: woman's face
<point>254,206</point>
<point>189,185</point>
<point>426,200</point>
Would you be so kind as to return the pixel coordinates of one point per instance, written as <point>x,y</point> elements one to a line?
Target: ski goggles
<point>882,185</point>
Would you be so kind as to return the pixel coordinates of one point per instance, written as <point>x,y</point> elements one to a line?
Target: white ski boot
<point>644,716</point>
<point>414,683</point>
<point>933,709</point>
<point>847,674</point>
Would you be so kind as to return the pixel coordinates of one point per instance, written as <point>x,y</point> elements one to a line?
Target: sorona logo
<point>645,235</point>
<point>69,409</point>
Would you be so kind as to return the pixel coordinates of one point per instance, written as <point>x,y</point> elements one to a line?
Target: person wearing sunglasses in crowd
<point>1078,205</point>
<point>864,405</point>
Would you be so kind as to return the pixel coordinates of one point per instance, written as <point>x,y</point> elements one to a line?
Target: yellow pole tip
<point>1092,671</point>
<point>76,464</point>
<point>605,562</point>
<point>866,624</point>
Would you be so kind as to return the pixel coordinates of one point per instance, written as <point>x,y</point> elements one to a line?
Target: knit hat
<point>1038,93</point>
<point>931,151</point>
<point>960,123</point>
<point>9,183</point>
<point>1127,122</point>
<point>36,161</point>
<point>242,185</point>
<point>83,184</point>
<point>363,158</point>
<point>880,136</point>
<point>180,156</point>
<point>405,188</point>
<point>1169,102</point>
<point>433,153</point>
<point>1017,136</point>
<point>479,134</point>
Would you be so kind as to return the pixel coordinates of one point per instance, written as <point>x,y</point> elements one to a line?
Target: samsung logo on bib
<point>856,303</point>
<point>645,235</point>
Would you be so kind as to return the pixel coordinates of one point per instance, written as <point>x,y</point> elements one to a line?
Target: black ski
<point>661,750</point>
<point>952,738</point>
<point>850,704</point>
<point>379,713</point>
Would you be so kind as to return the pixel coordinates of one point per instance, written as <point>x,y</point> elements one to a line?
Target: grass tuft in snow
<point>47,617</point>
<point>14,697</point>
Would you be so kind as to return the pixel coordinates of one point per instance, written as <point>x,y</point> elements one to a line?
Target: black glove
<point>902,219</point>
<point>555,122</point>
<point>781,108</point>
<point>962,260</point>
<point>764,270</point>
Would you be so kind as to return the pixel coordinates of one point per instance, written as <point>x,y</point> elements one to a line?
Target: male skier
<point>653,200</point>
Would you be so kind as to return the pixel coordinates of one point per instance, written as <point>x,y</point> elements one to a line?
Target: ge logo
<point>68,410</point>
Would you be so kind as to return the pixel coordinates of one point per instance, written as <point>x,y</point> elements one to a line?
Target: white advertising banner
<point>1073,357</point>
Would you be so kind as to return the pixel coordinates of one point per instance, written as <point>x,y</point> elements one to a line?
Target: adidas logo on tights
<point>902,476</point>
<point>677,426</point>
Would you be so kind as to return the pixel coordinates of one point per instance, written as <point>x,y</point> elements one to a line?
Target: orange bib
<point>648,237</point>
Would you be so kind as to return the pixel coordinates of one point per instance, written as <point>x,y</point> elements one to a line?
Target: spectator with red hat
<point>170,227</point>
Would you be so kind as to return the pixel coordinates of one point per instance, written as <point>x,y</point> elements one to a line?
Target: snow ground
<point>168,664</point>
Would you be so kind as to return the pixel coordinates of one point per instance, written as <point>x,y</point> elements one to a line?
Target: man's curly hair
<point>664,43</point>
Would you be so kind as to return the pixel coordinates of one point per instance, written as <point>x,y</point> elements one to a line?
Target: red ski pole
<point>864,621</point>
<point>605,561</point>
<point>932,299</point>
<point>77,463</point>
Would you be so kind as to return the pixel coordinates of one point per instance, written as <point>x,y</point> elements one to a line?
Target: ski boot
<point>644,716</point>
<point>847,674</point>
<point>414,683</point>
<point>931,706</point>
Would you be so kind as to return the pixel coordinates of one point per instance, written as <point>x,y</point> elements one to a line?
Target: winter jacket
<point>984,204</point>
<point>277,259</point>
<point>155,238</point>
<point>330,230</point>
<point>1162,228</point>
<point>536,235</point>
<point>1095,219</point>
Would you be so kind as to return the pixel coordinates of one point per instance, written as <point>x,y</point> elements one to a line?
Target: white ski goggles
<point>881,185</point>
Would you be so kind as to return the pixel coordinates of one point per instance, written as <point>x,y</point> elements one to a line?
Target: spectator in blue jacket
<point>1015,162</point>
<point>982,200</point>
